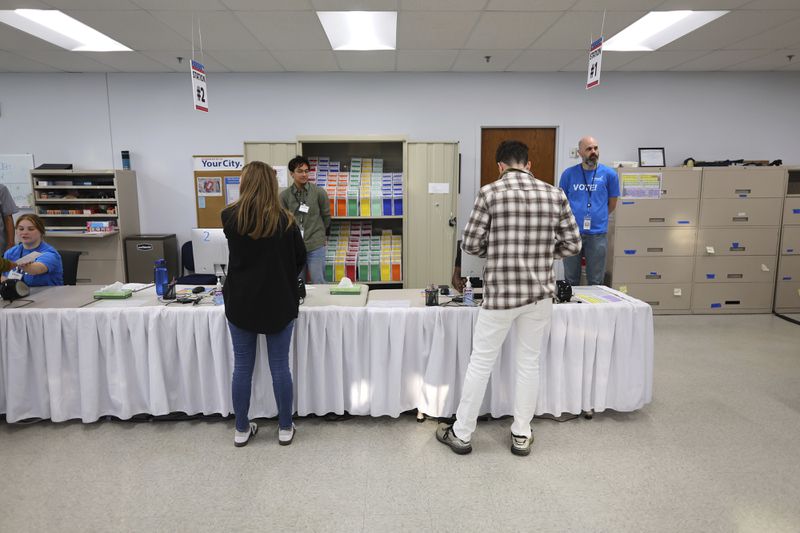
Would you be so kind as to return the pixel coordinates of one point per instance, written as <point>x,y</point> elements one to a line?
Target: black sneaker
<point>521,445</point>
<point>445,435</point>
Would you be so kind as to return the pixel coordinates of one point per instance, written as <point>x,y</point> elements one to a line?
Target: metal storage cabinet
<point>787,288</point>
<point>654,240</point>
<point>736,260</point>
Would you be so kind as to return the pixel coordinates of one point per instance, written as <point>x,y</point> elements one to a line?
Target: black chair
<point>69,262</point>
<point>187,264</point>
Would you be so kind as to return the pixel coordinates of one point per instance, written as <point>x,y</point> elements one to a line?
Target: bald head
<point>589,151</point>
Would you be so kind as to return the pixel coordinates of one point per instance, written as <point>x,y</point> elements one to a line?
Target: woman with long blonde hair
<point>266,254</point>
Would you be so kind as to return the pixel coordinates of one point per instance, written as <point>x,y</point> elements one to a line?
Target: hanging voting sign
<point>595,58</point>
<point>199,87</point>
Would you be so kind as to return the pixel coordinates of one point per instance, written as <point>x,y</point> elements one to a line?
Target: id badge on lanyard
<point>303,209</point>
<point>587,222</point>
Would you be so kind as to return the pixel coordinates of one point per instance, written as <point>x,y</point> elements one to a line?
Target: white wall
<point>86,119</point>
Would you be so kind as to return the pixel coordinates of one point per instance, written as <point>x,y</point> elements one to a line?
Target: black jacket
<point>261,287</point>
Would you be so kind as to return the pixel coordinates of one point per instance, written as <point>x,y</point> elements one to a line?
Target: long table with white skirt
<point>128,357</point>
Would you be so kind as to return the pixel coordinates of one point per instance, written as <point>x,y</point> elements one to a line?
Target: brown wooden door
<point>541,151</point>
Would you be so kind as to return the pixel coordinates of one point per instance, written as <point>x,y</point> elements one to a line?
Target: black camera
<point>563,291</point>
<point>14,289</point>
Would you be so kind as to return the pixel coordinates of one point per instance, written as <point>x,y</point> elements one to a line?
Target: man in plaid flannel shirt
<point>520,224</point>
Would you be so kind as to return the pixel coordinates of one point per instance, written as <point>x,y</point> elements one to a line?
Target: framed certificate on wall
<point>651,157</point>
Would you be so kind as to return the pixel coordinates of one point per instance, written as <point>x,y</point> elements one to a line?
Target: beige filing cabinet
<point>737,242</point>
<point>68,199</point>
<point>654,238</point>
<point>787,289</point>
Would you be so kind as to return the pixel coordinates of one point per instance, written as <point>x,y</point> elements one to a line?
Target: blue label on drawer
<point>796,211</point>
<point>742,196</point>
<point>631,203</point>
<point>711,276</point>
<point>734,244</point>
<point>683,222</point>
<point>787,278</point>
<point>716,306</point>
<point>630,252</point>
<point>789,250</point>
<point>654,273</point>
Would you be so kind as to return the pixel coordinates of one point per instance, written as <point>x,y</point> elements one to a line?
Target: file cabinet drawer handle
<point>653,276</point>
<point>743,191</point>
<point>653,304</point>
<point>732,302</point>
<point>735,276</point>
<point>655,249</point>
<point>741,219</point>
<point>657,220</point>
<point>738,249</point>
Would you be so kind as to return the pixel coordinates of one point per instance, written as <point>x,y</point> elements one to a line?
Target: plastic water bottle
<point>161,277</point>
<point>469,296</point>
<point>218,299</point>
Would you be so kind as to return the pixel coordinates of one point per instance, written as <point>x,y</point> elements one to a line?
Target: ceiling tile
<point>93,4</point>
<point>615,5</point>
<point>719,60</point>
<point>785,36</point>
<point>286,30</point>
<point>170,59</point>
<point>15,63</point>
<point>246,60</point>
<point>14,39</point>
<point>544,60</point>
<point>442,5</point>
<point>660,60</point>
<point>434,30</point>
<point>529,5</point>
<point>307,60</point>
<point>267,5</point>
<point>354,5</point>
<point>24,4</point>
<point>221,30</point>
<point>475,60</point>
<point>611,61</point>
<point>519,30</point>
<point>771,4</point>
<point>700,5</point>
<point>358,61</point>
<point>425,60</point>
<point>772,61</point>
<point>67,61</point>
<point>729,29</point>
<point>181,5</point>
<point>138,30</point>
<point>574,30</point>
<point>128,61</point>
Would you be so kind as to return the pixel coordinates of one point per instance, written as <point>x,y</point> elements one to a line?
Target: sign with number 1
<point>199,87</point>
<point>595,61</point>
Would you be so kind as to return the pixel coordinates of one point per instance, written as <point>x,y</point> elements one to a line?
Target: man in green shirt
<point>312,210</point>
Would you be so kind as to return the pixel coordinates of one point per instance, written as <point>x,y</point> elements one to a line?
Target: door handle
<point>452,221</point>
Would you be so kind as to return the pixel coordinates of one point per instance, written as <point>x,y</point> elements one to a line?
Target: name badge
<point>587,222</point>
<point>15,274</point>
<point>303,208</point>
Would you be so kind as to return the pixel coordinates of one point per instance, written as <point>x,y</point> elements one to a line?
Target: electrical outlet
<point>573,153</point>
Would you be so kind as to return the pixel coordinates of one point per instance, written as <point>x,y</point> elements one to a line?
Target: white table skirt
<point>86,363</point>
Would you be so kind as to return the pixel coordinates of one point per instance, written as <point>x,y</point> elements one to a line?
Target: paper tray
<point>348,290</point>
<point>112,295</point>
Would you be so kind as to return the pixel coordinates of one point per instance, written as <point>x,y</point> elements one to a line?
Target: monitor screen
<point>210,250</point>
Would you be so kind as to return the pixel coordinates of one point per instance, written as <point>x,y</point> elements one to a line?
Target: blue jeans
<point>244,361</point>
<point>315,264</point>
<point>594,249</point>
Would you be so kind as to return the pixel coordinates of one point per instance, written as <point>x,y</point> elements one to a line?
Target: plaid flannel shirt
<point>520,224</point>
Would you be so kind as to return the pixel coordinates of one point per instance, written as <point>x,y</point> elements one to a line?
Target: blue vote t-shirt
<point>50,258</point>
<point>595,187</point>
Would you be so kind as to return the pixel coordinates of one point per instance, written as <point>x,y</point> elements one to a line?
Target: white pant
<point>490,332</point>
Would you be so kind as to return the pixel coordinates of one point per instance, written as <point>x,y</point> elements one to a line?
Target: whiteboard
<point>15,174</point>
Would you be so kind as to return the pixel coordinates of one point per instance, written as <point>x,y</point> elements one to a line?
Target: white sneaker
<point>241,438</point>
<point>285,436</point>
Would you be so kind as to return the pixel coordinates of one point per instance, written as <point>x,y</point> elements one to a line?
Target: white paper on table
<point>30,258</point>
<point>136,287</point>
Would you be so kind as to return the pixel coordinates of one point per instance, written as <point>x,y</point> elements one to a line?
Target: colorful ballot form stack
<point>363,190</point>
<point>356,250</point>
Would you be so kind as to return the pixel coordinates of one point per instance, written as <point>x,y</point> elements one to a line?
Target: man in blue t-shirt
<point>592,190</point>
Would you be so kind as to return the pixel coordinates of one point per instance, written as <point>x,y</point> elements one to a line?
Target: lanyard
<point>586,184</point>
<point>301,196</point>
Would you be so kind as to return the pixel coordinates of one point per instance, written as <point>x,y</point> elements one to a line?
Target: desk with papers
<point>61,361</point>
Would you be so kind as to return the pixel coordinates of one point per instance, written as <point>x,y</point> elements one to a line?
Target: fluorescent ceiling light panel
<point>658,28</point>
<point>61,30</point>
<point>360,30</point>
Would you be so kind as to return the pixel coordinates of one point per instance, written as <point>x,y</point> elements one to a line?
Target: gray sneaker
<point>445,435</point>
<point>521,445</point>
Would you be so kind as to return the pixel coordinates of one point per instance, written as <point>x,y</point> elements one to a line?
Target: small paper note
<point>710,250</point>
<point>438,188</point>
<point>764,268</point>
<point>623,289</point>
<point>677,292</point>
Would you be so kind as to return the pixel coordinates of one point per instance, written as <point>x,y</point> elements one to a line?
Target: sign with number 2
<point>199,87</point>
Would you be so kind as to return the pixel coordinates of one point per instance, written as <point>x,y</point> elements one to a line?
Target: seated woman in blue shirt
<point>45,269</point>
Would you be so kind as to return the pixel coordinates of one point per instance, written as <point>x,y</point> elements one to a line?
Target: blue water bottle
<point>161,277</point>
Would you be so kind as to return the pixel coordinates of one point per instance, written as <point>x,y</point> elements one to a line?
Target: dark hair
<point>33,219</point>
<point>512,152</point>
<point>297,161</point>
